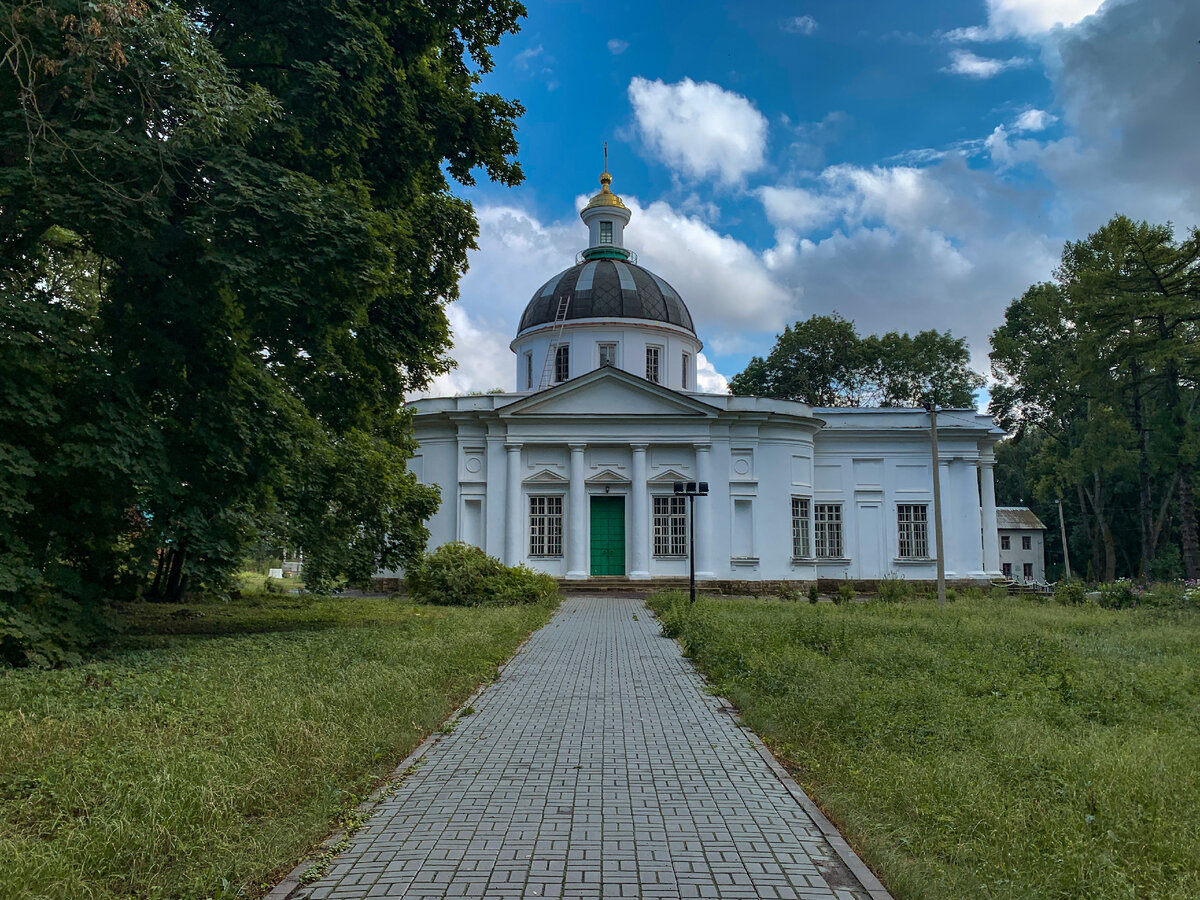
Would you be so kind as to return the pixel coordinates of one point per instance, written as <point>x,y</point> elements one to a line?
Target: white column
<point>970,540</point>
<point>949,532</point>
<point>704,514</point>
<point>514,520</point>
<point>991,540</point>
<point>577,514</point>
<point>640,512</point>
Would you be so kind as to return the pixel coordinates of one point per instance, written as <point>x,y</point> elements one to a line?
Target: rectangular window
<point>801,545</point>
<point>562,363</point>
<point>1027,570</point>
<point>1005,542</point>
<point>827,521</point>
<point>608,354</point>
<point>1026,542</point>
<point>653,355</point>
<point>912,520</point>
<point>1007,569</point>
<point>670,526</point>
<point>529,370</point>
<point>687,372</point>
<point>545,526</point>
<point>606,232</point>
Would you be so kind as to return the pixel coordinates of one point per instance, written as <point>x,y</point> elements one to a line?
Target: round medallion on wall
<point>741,466</point>
<point>473,464</point>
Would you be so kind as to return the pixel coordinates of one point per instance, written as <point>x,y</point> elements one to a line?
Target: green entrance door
<point>608,535</point>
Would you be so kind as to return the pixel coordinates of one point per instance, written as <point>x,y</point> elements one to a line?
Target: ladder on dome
<point>560,318</point>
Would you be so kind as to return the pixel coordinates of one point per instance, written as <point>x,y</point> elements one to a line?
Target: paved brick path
<point>596,766</point>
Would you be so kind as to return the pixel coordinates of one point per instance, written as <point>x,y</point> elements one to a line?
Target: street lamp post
<point>931,408</point>
<point>691,490</point>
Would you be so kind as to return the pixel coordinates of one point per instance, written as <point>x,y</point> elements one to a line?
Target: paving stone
<point>596,766</point>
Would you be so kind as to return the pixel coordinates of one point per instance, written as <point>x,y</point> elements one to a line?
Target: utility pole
<point>1062,527</point>
<point>937,506</point>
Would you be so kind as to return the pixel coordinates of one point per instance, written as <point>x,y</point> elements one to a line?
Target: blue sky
<point>908,165</point>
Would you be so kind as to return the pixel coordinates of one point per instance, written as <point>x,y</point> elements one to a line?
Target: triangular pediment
<point>546,476</point>
<point>670,475</point>
<point>608,476</point>
<point>609,393</point>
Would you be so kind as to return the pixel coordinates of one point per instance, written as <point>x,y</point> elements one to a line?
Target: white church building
<point>573,473</point>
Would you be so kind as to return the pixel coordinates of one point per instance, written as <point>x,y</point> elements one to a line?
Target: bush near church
<point>459,574</point>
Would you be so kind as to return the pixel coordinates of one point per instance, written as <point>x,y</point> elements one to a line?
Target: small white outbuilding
<point>1022,544</point>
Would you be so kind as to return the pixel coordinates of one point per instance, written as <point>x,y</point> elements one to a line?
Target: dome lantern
<point>606,217</point>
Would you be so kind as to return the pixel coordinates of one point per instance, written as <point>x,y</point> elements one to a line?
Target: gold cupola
<point>606,197</point>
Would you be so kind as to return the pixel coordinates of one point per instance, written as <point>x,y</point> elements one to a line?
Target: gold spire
<point>606,197</point>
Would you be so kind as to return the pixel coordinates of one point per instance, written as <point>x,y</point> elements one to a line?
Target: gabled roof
<point>1017,517</point>
<point>609,392</point>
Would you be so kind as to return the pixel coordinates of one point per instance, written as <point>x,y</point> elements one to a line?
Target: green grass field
<point>196,760</point>
<point>993,749</point>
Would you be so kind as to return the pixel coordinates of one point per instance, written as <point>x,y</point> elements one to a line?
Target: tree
<point>261,191</point>
<point>1101,362</point>
<point>822,361</point>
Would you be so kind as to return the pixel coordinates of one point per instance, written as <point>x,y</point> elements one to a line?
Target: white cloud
<point>796,207</point>
<point>964,62</point>
<point>483,358</point>
<point>725,284</point>
<point>799,25</point>
<point>708,379</point>
<point>527,57</point>
<point>1026,18</point>
<point>1034,120</point>
<point>616,46</point>
<point>700,128</point>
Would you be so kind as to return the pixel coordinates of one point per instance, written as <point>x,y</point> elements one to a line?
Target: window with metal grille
<point>545,526</point>
<point>606,232</point>
<point>608,354</point>
<point>1027,570</point>
<point>529,370</point>
<point>653,355</point>
<point>687,371</point>
<point>912,520</point>
<point>670,526</point>
<point>1005,542</point>
<point>1007,569</point>
<point>562,363</point>
<point>827,522</point>
<point>801,545</point>
<point>1026,542</point>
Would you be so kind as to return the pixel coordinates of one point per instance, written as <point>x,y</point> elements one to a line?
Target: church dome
<point>607,288</point>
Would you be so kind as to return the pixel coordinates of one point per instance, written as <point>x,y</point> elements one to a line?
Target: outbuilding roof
<point>1017,517</point>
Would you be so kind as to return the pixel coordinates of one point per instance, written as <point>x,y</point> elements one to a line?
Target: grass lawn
<point>208,750</point>
<point>996,748</point>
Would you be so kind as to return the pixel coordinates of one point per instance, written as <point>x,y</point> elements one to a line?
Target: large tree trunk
<point>1093,532</point>
<point>1145,510</point>
<point>176,582</point>
<point>1187,522</point>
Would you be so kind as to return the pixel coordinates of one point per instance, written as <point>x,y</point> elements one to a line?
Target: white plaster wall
<point>631,337</point>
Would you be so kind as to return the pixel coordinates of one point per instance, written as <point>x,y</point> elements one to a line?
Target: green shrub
<point>459,574</point>
<point>845,593</point>
<point>893,590</point>
<point>789,593</point>
<point>813,596</point>
<point>1117,595</point>
<point>1071,592</point>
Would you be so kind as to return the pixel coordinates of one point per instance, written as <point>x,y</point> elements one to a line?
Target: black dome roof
<point>608,288</point>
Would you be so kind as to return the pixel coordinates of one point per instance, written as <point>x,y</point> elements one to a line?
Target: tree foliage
<point>823,361</point>
<point>227,236</point>
<point>1101,365</point>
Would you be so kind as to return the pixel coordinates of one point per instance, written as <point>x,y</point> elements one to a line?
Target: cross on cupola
<point>606,217</point>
